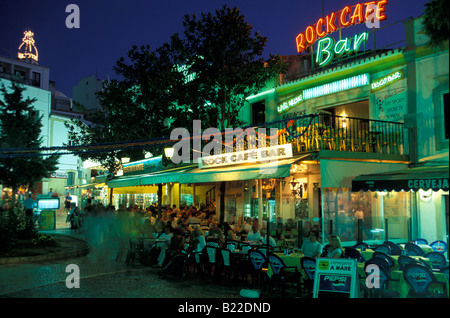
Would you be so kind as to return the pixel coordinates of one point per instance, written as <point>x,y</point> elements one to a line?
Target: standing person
<point>67,202</point>
<point>29,206</point>
<point>359,214</point>
<point>311,247</point>
<point>50,192</point>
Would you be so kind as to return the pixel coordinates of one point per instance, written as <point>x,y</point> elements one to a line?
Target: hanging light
<point>169,152</point>
<point>299,189</point>
<point>294,186</point>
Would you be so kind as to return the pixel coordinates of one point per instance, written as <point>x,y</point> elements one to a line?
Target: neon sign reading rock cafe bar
<point>348,16</point>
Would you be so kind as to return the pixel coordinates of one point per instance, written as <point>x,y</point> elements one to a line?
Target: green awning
<point>164,176</point>
<point>202,176</point>
<point>425,178</point>
<point>277,169</point>
<point>193,174</point>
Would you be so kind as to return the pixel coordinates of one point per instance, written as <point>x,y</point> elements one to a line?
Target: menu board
<point>47,220</point>
<point>336,278</point>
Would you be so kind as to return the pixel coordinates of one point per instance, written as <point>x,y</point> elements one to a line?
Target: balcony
<point>337,133</point>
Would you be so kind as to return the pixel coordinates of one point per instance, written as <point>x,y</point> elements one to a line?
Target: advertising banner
<point>336,278</point>
<point>47,220</point>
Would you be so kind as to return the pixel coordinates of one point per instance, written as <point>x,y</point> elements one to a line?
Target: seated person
<point>228,232</point>
<point>214,231</point>
<point>198,240</point>
<point>265,237</point>
<point>193,221</point>
<point>175,247</point>
<point>311,247</point>
<point>246,228</point>
<point>336,249</point>
<point>254,234</point>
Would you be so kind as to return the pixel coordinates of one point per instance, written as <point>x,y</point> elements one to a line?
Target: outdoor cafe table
<point>368,254</point>
<point>424,247</point>
<point>292,259</point>
<point>399,284</point>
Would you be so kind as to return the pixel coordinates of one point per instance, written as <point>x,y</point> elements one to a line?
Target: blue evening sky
<point>108,29</point>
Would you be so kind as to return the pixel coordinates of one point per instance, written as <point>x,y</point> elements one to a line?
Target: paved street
<point>102,277</point>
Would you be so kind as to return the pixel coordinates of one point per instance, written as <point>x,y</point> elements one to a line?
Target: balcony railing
<point>329,132</point>
<point>315,132</point>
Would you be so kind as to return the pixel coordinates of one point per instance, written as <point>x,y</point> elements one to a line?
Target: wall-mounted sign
<point>348,16</point>
<point>248,156</point>
<point>387,80</point>
<point>60,175</point>
<point>143,166</point>
<point>391,104</point>
<point>325,89</point>
<point>27,50</point>
<point>290,103</point>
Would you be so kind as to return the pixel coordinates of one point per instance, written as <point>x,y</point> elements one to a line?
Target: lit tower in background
<point>27,50</point>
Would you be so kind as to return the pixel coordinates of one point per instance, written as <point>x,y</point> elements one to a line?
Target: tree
<point>134,109</point>
<point>226,58</point>
<point>436,22</point>
<point>21,128</point>
<point>206,75</point>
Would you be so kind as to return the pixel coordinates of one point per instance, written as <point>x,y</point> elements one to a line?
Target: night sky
<point>108,29</point>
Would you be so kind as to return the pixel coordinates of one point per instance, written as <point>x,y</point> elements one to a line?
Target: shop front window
<point>372,217</point>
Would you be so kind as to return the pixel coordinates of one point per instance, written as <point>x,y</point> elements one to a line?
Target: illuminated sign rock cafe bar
<point>263,155</point>
<point>348,16</point>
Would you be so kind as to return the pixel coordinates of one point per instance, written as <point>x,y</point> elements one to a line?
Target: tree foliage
<point>133,109</point>
<point>436,22</point>
<point>21,128</point>
<point>205,74</point>
<point>227,59</point>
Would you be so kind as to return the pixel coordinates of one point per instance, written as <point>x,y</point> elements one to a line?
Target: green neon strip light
<point>330,88</point>
<point>342,85</point>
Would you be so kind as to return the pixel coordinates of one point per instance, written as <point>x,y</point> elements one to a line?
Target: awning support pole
<point>111,196</point>
<point>260,203</point>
